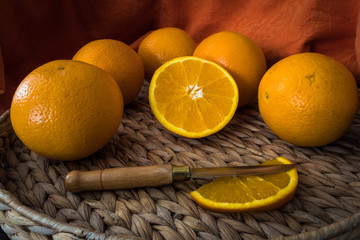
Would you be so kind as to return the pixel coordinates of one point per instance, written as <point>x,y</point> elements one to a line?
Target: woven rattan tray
<point>35,205</point>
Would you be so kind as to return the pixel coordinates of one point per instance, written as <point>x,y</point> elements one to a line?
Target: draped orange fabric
<point>34,32</point>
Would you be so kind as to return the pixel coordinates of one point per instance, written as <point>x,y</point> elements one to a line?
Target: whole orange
<point>120,60</point>
<point>66,110</point>
<point>240,56</point>
<point>163,45</point>
<point>308,99</point>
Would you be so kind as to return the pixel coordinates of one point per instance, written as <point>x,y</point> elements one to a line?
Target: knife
<point>156,175</point>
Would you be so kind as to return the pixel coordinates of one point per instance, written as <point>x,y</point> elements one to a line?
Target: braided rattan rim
<point>328,192</point>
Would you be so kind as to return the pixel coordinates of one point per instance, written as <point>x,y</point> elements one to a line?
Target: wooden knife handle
<point>119,178</point>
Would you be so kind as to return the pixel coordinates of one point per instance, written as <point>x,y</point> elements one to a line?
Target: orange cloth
<point>34,32</point>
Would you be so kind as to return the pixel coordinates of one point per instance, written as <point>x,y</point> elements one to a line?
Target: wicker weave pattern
<point>35,205</point>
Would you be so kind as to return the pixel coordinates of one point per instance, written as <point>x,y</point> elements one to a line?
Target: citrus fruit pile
<point>70,109</point>
<point>195,91</point>
<point>306,99</point>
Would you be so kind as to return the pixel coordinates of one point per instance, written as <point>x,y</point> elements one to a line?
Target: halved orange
<point>193,97</point>
<point>249,193</point>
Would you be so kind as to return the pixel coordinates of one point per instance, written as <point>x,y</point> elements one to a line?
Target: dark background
<point>3,236</point>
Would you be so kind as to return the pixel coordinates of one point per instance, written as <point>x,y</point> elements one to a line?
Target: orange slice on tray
<point>193,97</point>
<point>249,193</point>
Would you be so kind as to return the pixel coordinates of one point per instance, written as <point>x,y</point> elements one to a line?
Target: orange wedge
<point>193,97</point>
<point>249,193</point>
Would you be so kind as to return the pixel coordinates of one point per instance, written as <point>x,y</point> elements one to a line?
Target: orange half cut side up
<point>193,97</point>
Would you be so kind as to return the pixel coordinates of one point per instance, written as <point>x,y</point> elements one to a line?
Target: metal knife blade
<point>236,171</point>
<point>183,173</point>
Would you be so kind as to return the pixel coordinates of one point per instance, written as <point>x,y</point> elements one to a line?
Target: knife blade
<point>156,175</point>
<point>236,171</point>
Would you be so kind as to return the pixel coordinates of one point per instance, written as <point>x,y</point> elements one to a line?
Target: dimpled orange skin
<point>120,60</point>
<point>162,45</point>
<point>66,110</point>
<point>240,56</point>
<point>308,99</point>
